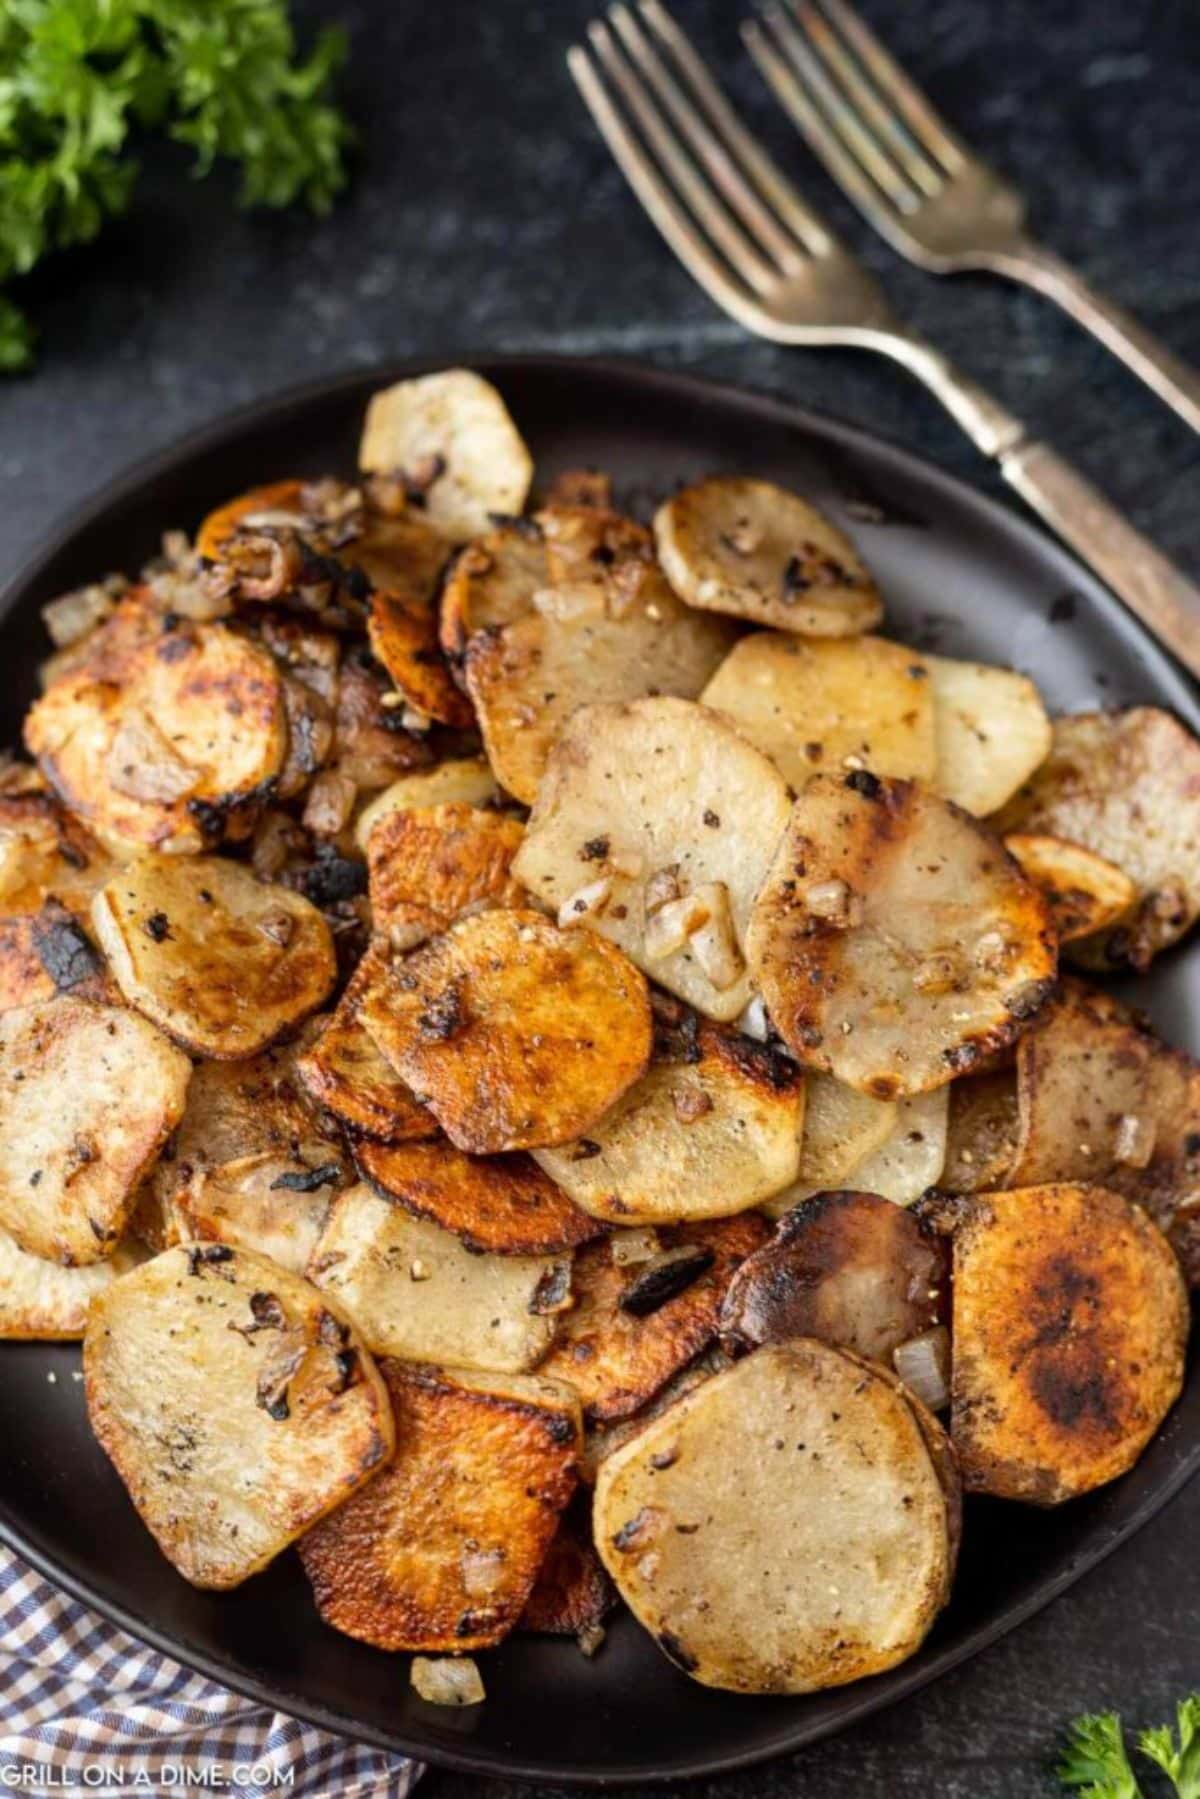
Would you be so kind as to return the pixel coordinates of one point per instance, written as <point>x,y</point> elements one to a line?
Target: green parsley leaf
<point>1180,1762</point>
<point>16,339</point>
<point>1095,1759</point>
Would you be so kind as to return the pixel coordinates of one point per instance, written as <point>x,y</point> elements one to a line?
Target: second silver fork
<point>765,256</point>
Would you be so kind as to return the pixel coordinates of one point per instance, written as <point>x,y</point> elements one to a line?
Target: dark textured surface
<point>485,214</point>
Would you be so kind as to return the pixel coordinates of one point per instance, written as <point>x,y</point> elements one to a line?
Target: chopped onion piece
<point>640,1245</point>
<point>587,903</point>
<point>447,1680</point>
<point>923,1364</point>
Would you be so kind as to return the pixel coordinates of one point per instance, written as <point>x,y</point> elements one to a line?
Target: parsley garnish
<point>1095,1761</point>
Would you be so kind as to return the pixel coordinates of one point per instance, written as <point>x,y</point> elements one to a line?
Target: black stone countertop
<point>485,215</point>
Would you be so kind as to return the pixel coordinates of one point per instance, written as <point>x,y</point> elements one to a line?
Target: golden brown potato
<point>441,1552</point>
<point>602,1437</point>
<point>1070,1322</point>
<point>841,1129</point>
<point>503,1205</point>
<point>465,781</point>
<point>236,1405</point>
<point>982,1134</point>
<point>343,1070</point>
<point>894,941</point>
<point>1086,893</point>
<point>281,499</point>
<point>515,1034</point>
<point>43,1302</point>
<point>402,631</point>
<point>427,864</point>
<point>491,582</point>
<point>572,1594</point>
<point>46,854</point>
<point>991,730</point>
<point>47,954</point>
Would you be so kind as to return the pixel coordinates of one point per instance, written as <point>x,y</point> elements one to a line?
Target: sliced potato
<point>585,540</point>
<point>661,799</point>
<point>372,746</point>
<point>1124,785</point>
<point>502,1205</point>
<point>602,1437</point>
<point>826,704</point>
<point>894,941</point>
<point>465,782</point>
<point>911,1158</point>
<point>450,439</point>
<point>235,1404</point>
<point>427,864</point>
<point>221,961</point>
<point>841,1129</point>
<point>441,1552</point>
<point>279,501</point>
<point>402,631</point>
<point>1070,1323</point>
<point>850,1268</point>
<point>417,1292</point>
<point>88,1096</point>
<point>515,1034</point>
<point>46,854</point>
<point>343,1070</point>
<point>712,1128</point>
<point>784,1528</point>
<point>43,1302</point>
<point>572,1594</point>
<point>992,732</point>
<point>981,1138</point>
<point>632,1328</point>
<point>754,550</point>
<point>586,642</point>
<point>47,954</point>
<point>1086,893</point>
<point>492,582</point>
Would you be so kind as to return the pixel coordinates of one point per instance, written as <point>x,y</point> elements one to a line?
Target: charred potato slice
<point>822,705</point>
<point>343,1070</point>
<point>491,582</point>
<point>427,864</point>
<point>497,1205</point>
<point>49,954</point>
<point>632,1327</point>
<point>572,1594</point>
<point>417,1292</point>
<point>1070,1322</point>
<point>43,1302</point>
<point>784,1528</point>
<point>851,1269</point>
<point>911,1158</point>
<point>442,1550</point>
<point>450,439</point>
<point>1086,893</point>
<point>514,1033</point>
<point>88,1096</point>
<point>982,1127</point>
<point>841,1129</point>
<point>661,821</point>
<point>760,553</point>
<point>403,633</point>
<point>991,729</point>
<point>222,962</point>
<point>235,1404</point>
<point>712,1128</point>
<point>467,781</point>
<point>894,941</point>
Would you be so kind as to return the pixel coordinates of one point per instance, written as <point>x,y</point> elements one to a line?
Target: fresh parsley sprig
<point>1096,1764</point>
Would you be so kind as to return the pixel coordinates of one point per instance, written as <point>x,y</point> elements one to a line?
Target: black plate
<point>961,575</point>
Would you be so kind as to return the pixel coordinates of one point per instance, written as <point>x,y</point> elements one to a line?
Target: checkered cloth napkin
<point>84,1708</point>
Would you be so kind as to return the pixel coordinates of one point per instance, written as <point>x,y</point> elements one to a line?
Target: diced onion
<point>923,1364</point>
<point>447,1680</point>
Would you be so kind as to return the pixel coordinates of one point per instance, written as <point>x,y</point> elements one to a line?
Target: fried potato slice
<point>222,962</point>
<point>497,1205</point>
<point>662,800</point>
<point>467,781</point>
<point>850,1268</point>
<point>1069,1328</point>
<point>429,863</point>
<point>343,1070</point>
<point>371,744</point>
<point>46,854</point>
<point>826,704</point>
<point>1125,785</point>
<point>166,734</point>
<point>491,581</point>
<point>894,941</point>
<point>586,642</point>
<point>280,500</point>
<point>712,1128</point>
<point>601,1438</point>
<point>49,954</point>
<point>748,548</point>
<point>237,1406</point>
<point>43,1302</point>
<point>572,1594</point>
<point>441,1552</point>
<point>88,1096</point>
<point>417,1292</point>
<point>992,732</point>
<point>981,1138</point>
<point>911,1158</point>
<point>403,633</point>
<point>514,1033</point>
<point>1086,892</point>
<point>449,437</point>
<point>841,1129</point>
<point>614,1351</point>
<point>784,1528</point>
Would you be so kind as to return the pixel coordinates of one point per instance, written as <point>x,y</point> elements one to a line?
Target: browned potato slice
<point>441,1552</point>
<point>841,1129</point>
<point>428,864</point>
<point>467,781</point>
<point>450,438</point>
<point>514,1033</point>
<point>826,704</point>
<point>1070,1323</point>
<point>911,1158</point>
<point>46,854</point>
<point>992,732</point>
<point>369,746</point>
<point>235,1404</point>
<point>402,631</point>
<point>631,1328</point>
<point>584,540</point>
<point>894,941</point>
<point>43,1302</point>
<point>661,810</point>
<point>344,1071</point>
<point>48,954</point>
<point>852,1269</point>
<point>1086,893</point>
<point>586,642</point>
<point>712,1128</point>
<point>492,582</point>
<point>221,961</point>
<point>601,1438</point>
<point>504,1205</point>
<point>279,499</point>
<point>982,1132</point>
<point>1125,785</point>
<point>784,1528</point>
<point>572,1594</point>
<point>88,1096</point>
<point>745,547</point>
<point>416,1291</point>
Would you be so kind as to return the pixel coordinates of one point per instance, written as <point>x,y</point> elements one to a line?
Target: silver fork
<point>764,255</point>
<point>916,181</point>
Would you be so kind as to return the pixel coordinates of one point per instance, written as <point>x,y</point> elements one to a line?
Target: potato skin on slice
<point>895,943</point>
<point>515,1034</point>
<point>235,1403</point>
<point>1086,892</point>
<point>222,962</point>
<point>42,1302</point>
<point>784,1528</point>
<point>343,1070</point>
<point>442,1550</point>
<point>498,1205</point>
<point>427,864</point>
<point>1069,1329</point>
<point>88,1096</point>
